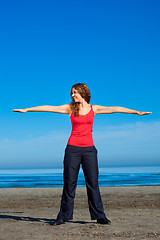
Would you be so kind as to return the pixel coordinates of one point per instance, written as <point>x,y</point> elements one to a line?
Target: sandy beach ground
<point>27,213</point>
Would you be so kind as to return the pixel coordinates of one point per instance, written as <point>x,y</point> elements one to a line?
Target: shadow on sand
<point>31,219</point>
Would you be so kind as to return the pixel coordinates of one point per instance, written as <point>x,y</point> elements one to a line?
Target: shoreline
<point>127,186</point>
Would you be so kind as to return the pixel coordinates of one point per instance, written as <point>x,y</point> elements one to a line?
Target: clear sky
<point>47,46</point>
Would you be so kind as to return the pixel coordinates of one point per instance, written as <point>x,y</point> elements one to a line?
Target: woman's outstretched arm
<point>104,110</point>
<point>56,109</point>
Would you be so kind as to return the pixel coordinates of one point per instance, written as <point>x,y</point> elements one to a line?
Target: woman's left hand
<point>143,113</point>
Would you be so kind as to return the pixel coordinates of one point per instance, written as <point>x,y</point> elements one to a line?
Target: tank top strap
<point>92,108</point>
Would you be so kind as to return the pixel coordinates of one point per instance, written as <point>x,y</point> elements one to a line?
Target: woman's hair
<point>83,90</point>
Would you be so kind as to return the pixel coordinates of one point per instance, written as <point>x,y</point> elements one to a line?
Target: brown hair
<point>83,90</point>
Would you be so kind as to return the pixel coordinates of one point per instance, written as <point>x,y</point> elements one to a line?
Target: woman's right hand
<point>20,110</point>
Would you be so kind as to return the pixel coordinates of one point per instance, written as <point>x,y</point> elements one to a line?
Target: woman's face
<point>76,97</point>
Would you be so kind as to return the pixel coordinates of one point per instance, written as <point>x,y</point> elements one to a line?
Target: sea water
<point>44,178</point>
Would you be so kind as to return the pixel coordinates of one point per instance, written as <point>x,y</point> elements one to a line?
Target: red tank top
<point>82,127</point>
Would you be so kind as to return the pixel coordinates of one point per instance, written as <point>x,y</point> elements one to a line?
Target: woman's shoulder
<point>94,107</point>
<point>97,109</point>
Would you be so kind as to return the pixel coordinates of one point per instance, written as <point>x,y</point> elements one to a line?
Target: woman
<point>81,150</point>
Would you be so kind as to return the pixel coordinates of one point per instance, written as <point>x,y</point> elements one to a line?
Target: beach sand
<point>27,213</point>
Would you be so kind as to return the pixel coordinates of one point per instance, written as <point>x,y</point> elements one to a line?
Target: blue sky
<point>47,46</point>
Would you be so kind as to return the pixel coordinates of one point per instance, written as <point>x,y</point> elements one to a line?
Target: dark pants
<point>74,156</point>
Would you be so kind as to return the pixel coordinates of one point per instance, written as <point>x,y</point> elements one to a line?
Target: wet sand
<point>28,213</point>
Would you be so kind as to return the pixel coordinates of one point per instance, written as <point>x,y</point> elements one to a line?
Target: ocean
<point>115,176</point>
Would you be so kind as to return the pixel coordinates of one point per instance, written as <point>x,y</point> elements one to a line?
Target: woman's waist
<point>81,134</point>
<point>81,140</point>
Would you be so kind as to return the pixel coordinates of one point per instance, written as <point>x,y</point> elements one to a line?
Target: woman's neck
<point>84,105</point>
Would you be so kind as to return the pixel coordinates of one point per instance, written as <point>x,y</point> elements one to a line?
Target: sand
<point>27,214</point>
